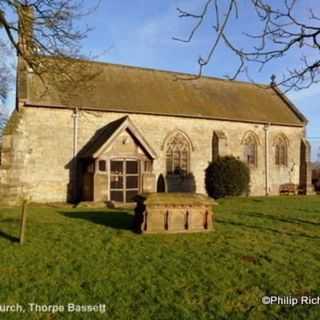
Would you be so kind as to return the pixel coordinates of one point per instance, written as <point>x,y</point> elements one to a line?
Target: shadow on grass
<point>279,219</point>
<point>313,211</point>
<point>267,229</point>
<point>7,236</point>
<point>113,219</point>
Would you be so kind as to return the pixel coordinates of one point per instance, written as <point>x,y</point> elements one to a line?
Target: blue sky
<point>140,33</point>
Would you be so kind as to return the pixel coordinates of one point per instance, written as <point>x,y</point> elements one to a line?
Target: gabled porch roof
<point>106,136</point>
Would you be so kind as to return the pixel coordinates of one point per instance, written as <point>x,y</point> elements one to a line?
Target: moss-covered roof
<point>127,89</point>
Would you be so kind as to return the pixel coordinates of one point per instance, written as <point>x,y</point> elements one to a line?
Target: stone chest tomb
<point>173,213</point>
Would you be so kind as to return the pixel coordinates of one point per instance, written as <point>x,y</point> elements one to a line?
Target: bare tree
<point>6,81</point>
<point>6,75</point>
<point>3,121</point>
<point>46,27</point>
<point>39,29</point>
<point>284,29</point>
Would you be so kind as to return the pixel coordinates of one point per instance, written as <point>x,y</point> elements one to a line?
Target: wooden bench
<point>287,189</point>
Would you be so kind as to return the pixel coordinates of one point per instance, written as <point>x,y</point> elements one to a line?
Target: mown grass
<point>261,246</point>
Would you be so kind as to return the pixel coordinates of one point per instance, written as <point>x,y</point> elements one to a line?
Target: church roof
<point>110,87</point>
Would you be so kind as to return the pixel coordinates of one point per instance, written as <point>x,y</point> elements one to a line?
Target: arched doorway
<point>161,184</point>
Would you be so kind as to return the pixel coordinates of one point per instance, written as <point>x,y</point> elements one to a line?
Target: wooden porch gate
<point>124,180</point>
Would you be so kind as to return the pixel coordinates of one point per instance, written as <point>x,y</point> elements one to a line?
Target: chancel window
<point>250,149</point>
<point>178,155</point>
<point>281,151</point>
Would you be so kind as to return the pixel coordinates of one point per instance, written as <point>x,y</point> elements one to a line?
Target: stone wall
<point>40,149</point>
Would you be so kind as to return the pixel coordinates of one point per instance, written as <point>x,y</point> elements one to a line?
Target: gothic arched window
<point>177,154</point>
<point>215,146</point>
<point>218,144</point>
<point>281,150</point>
<point>250,143</point>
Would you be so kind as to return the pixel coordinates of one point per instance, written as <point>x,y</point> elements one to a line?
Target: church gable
<point>120,136</point>
<point>123,144</point>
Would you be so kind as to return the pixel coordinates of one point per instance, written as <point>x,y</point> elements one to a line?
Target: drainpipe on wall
<point>75,117</point>
<point>266,157</point>
<point>75,131</point>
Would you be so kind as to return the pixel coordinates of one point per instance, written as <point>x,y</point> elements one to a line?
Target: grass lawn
<point>261,246</point>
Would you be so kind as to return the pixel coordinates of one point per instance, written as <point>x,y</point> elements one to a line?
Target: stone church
<point>143,130</point>
<point>123,130</point>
